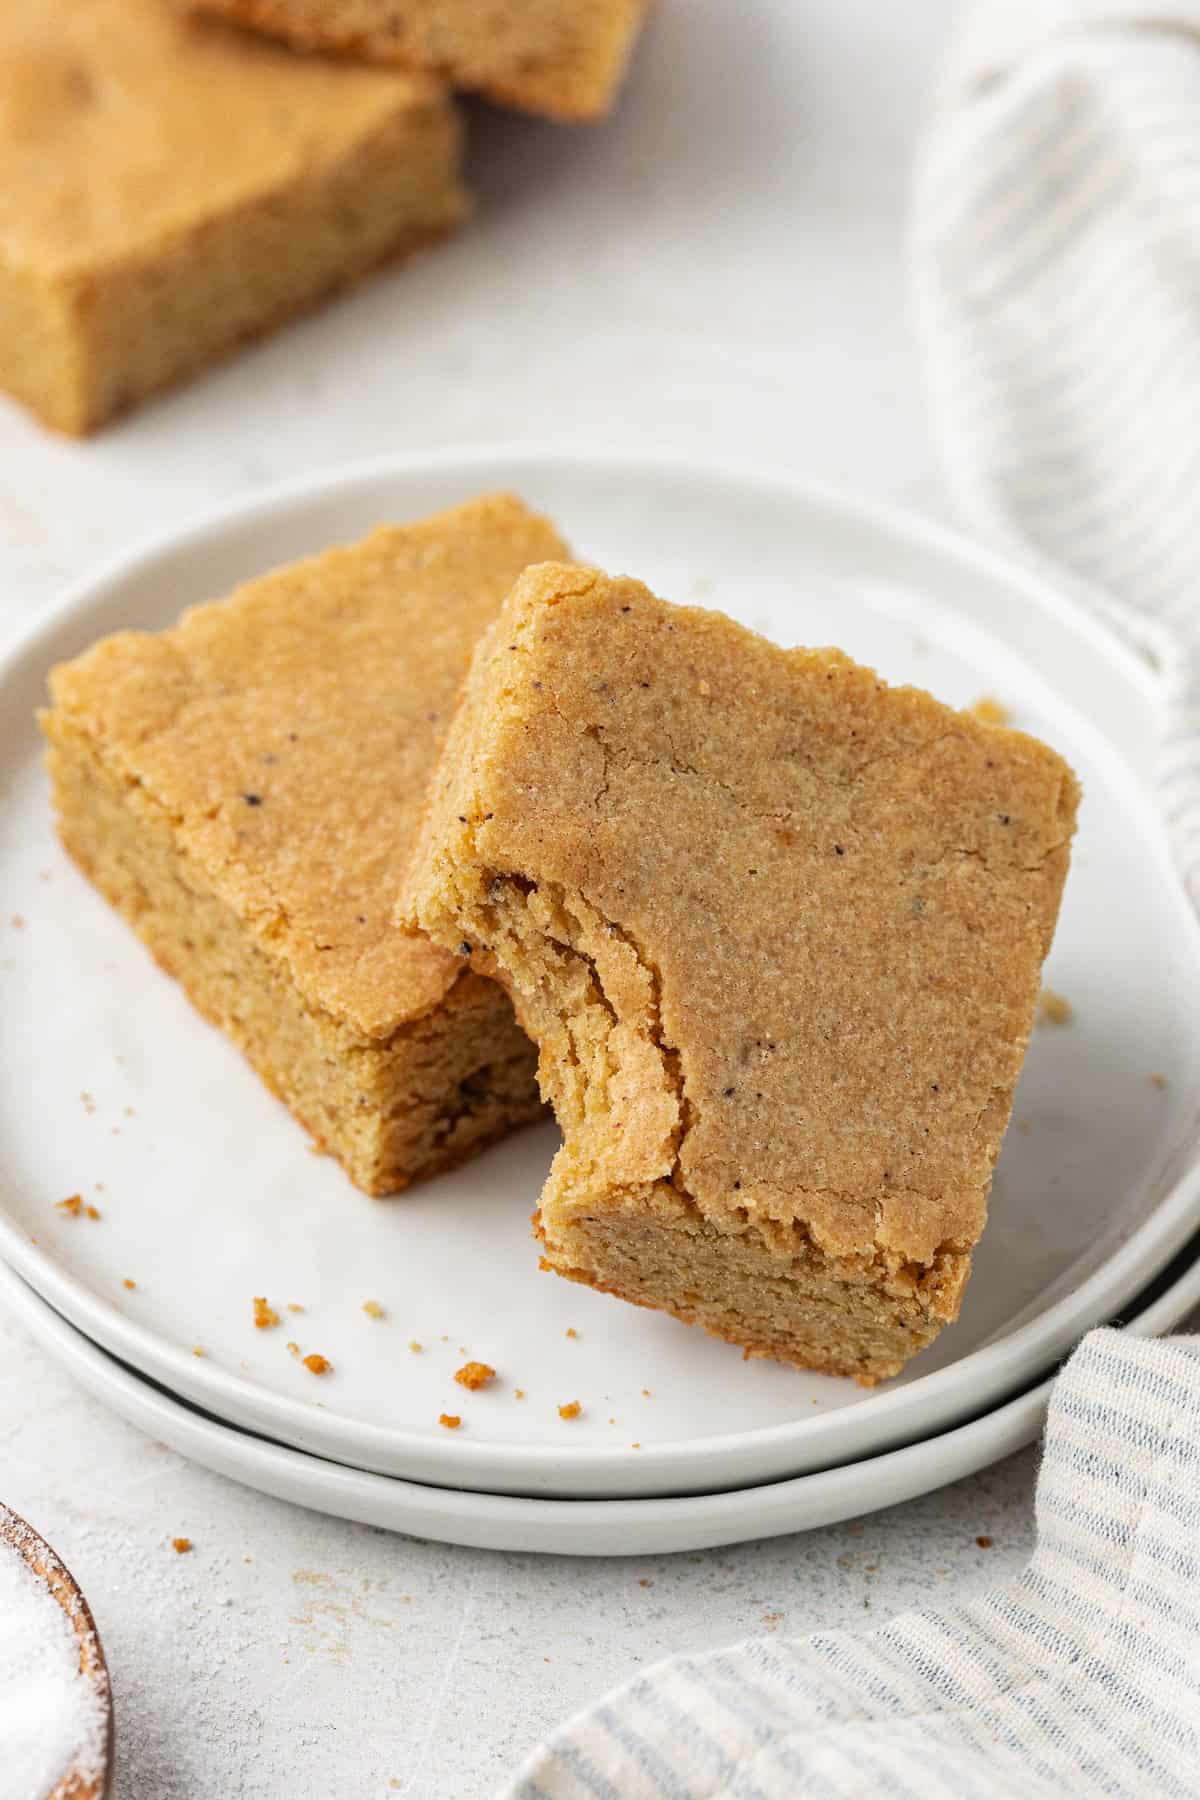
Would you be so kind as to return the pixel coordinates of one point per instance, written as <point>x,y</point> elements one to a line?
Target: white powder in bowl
<point>52,1719</point>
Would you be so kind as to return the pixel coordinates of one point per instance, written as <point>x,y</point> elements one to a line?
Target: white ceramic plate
<point>111,1087</point>
<point>567,1527</point>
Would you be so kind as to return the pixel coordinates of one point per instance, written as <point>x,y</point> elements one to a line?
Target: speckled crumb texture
<point>777,930</point>
<point>173,187</point>
<point>245,789</point>
<point>561,58</point>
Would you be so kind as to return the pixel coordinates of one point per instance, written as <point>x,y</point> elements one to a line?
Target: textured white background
<point>720,269</point>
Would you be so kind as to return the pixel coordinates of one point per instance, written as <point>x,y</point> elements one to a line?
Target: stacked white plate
<point>113,1089</point>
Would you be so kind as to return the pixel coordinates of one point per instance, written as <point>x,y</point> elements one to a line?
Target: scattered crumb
<point>612,1421</point>
<point>197,1350</point>
<point>264,1316</point>
<point>129,1112</point>
<point>293,1349</point>
<point>294,1306</point>
<point>181,1544</point>
<point>73,1204</point>
<point>645,1393</point>
<point>571,1410</point>
<point>1157,1080</point>
<point>475,1375</point>
<point>989,711</point>
<point>635,1446</point>
<point>129,1284</point>
<point>317,1364</point>
<point>93,1212</point>
<point>571,1332</point>
<point>518,1393</point>
<point>450,1420</point>
<point>415,1347</point>
<point>984,1542</point>
<point>1054,1009</point>
<point>644,1581</point>
<point>373,1309</point>
<point>445,1337</point>
<point>18,922</point>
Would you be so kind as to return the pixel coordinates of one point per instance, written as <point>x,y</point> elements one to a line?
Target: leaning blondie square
<point>563,58</point>
<point>777,930</point>
<point>245,789</point>
<point>173,186</point>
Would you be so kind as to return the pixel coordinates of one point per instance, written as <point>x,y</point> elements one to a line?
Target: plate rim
<point>1012,1358</point>
<point>552,1526</point>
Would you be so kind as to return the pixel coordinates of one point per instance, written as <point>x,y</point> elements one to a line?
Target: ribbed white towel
<point>1056,269</point>
<point>1081,1678</point>
<point>1056,256</point>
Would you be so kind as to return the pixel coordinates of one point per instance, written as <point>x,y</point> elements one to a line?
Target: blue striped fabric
<point>1082,1678</point>
<point>1056,267</point>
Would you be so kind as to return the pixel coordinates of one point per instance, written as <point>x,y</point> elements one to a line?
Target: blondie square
<point>563,58</point>
<point>776,929</point>
<point>173,187</point>
<point>245,789</point>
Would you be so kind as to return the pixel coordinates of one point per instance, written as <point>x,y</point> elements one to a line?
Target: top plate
<point>110,1086</point>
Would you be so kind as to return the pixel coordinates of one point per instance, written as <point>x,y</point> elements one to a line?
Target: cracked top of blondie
<point>288,734</point>
<point>777,926</point>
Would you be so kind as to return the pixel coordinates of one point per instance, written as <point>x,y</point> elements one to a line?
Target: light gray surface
<point>341,1660</point>
<point>721,269</point>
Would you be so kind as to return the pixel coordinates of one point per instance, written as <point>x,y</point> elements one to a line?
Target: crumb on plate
<point>293,1348</point>
<point>450,1420</point>
<point>990,711</point>
<point>316,1364</point>
<point>93,1212</point>
<point>571,1410</point>
<point>181,1544</point>
<point>127,1283</point>
<point>1054,1009</point>
<point>518,1393</point>
<point>571,1332</point>
<point>1158,1080</point>
<point>294,1306</point>
<point>984,1542</point>
<point>373,1309</point>
<point>475,1374</point>
<point>415,1347</point>
<point>264,1316</point>
<point>73,1204</point>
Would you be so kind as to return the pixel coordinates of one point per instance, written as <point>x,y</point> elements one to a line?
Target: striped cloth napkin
<point>1056,267</point>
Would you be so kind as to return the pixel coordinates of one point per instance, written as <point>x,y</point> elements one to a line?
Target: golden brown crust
<point>563,59</point>
<point>245,787</point>
<point>777,930</point>
<point>289,731</point>
<point>174,187</point>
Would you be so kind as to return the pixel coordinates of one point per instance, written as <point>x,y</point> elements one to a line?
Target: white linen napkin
<point>1056,269</point>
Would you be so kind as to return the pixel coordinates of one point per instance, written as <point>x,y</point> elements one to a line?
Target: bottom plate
<point>570,1527</point>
